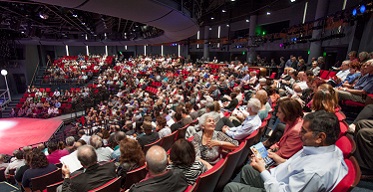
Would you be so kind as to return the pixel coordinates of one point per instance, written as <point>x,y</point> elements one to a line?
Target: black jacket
<point>171,181</point>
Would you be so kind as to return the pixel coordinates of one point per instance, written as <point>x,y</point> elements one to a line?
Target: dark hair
<point>182,153</point>
<point>161,121</point>
<point>18,154</point>
<point>131,152</point>
<point>291,109</point>
<point>38,159</point>
<point>87,155</point>
<point>322,121</point>
<point>177,116</point>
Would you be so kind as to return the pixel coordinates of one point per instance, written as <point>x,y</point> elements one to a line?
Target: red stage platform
<point>19,132</point>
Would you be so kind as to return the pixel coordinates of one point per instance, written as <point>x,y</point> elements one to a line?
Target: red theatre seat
<point>351,179</point>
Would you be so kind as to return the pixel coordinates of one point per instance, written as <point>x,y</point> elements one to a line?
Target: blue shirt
<point>250,124</point>
<point>310,169</point>
<point>352,77</point>
<point>365,83</point>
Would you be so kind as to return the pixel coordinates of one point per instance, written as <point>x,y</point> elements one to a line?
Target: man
<point>119,136</point>
<point>94,174</point>
<point>17,163</point>
<point>150,135</point>
<point>70,144</point>
<point>103,153</point>
<point>54,153</point>
<point>362,87</point>
<point>249,125</point>
<point>82,135</point>
<point>158,177</point>
<point>319,166</point>
<point>342,74</point>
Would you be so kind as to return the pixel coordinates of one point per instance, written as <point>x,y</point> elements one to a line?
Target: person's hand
<point>65,171</point>
<point>211,143</point>
<point>258,164</point>
<point>276,157</point>
<point>225,129</point>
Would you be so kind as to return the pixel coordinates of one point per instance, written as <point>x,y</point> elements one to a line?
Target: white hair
<point>254,104</point>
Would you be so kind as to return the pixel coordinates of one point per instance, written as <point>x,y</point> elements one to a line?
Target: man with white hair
<point>103,153</point>
<point>249,125</point>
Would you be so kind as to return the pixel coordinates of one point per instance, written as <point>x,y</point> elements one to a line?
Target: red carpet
<point>19,132</point>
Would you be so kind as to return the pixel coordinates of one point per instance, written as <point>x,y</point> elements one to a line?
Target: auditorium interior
<point>157,72</point>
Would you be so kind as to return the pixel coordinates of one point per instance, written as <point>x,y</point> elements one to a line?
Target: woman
<point>162,128</point>
<point>353,76</point>
<point>209,143</point>
<point>183,157</point>
<point>262,96</point>
<point>289,112</point>
<point>38,166</point>
<point>131,157</point>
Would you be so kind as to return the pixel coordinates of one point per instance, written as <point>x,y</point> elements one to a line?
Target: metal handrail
<point>33,77</point>
<point>4,95</point>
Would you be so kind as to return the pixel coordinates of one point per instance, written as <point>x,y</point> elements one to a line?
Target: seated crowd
<point>148,99</point>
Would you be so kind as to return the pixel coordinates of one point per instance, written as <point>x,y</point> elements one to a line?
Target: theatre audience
<point>17,162</point>
<point>54,153</point>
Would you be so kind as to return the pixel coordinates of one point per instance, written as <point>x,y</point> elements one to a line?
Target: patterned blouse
<point>192,172</point>
<point>211,155</point>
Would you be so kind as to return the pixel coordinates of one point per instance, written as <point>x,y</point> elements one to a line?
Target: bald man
<point>94,174</point>
<point>158,177</point>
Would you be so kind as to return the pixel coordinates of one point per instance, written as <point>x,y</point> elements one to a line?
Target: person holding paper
<point>319,166</point>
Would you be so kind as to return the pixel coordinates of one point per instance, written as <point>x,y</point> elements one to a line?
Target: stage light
<point>75,15</point>
<point>227,25</point>
<point>354,12</point>
<point>212,18</point>
<point>362,9</point>
<point>223,11</point>
<point>281,45</point>
<point>4,73</point>
<point>292,1</point>
<point>210,28</point>
<point>268,13</point>
<point>247,20</point>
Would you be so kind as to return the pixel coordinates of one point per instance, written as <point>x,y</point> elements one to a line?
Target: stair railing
<point>33,77</point>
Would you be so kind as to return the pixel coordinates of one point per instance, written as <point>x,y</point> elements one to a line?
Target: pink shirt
<point>55,156</point>
<point>291,141</point>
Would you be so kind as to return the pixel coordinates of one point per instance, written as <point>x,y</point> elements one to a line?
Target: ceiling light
<point>210,28</point>
<point>292,1</point>
<point>212,18</point>
<point>223,11</point>
<point>75,15</point>
<point>43,15</point>
<point>22,32</point>
<point>233,0</point>
<point>227,25</point>
<point>268,13</point>
<point>247,20</point>
<point>83,23</point>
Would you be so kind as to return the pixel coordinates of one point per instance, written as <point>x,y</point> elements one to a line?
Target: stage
<point>19,132</point>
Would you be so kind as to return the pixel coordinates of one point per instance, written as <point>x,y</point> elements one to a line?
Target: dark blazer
<point>93,177</point>
<point>171,181</point>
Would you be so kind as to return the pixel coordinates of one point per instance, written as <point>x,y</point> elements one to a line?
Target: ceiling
<point>122,22</point>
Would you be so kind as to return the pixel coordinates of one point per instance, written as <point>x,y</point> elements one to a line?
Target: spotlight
<point>75,15</point>
<point>292,1</point>
<point>362,9</point>
<point>210,28</point>
<point>227,25</point>
<point>212,18</point>
<point>247,20</point>
<point>268,13</point>
<point>223,11</point>
<point>281,45</point>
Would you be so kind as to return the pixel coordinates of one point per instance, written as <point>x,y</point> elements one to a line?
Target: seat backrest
<point>157,142</point>
<point>135,176</point>
<point>207,181</point>
<point>112,186</point>
<point>182,131</point>
<point>324,74</point>
<point>168,140</point>
<point>332,74</point>
<point>41,182</point>
<point>352,178</point>
<point>2,175</point>
<point>347,145</point>
<point>232,160</point>
<point>246,150</point>
<point>343,128</point>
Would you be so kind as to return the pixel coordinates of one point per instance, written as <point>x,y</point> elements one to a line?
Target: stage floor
<point>19,132</point>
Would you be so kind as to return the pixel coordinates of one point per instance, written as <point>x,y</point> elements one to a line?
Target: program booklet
<point>261,153</point>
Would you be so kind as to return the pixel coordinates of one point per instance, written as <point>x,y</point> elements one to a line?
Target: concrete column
<point>206,49</point>
<point>315,47</point>
<point>251,54</point>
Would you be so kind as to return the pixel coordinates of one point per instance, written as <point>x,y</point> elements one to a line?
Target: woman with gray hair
<point>209,143</point>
